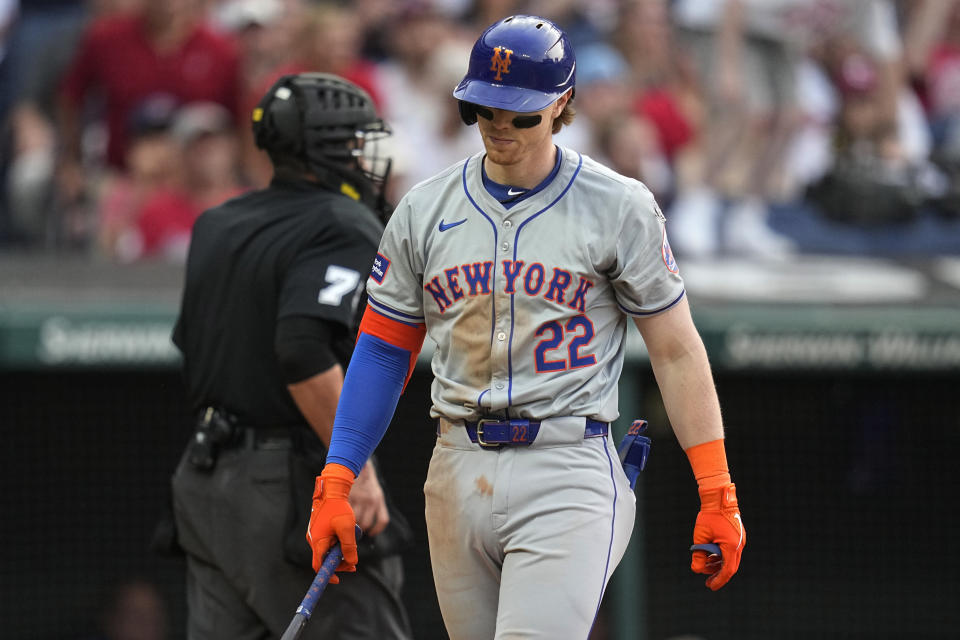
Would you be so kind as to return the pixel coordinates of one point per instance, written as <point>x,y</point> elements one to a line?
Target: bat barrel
<point>295,627</point>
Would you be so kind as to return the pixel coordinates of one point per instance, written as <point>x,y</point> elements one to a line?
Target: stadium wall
<point>841,422</point>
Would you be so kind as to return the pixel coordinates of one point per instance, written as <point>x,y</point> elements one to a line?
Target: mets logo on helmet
<point>500,61</point>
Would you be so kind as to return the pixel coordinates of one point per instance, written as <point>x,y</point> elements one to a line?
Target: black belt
<point>266,437</point>
<point>224,429</point>
<point>496,432</point>
<point>218,430</point>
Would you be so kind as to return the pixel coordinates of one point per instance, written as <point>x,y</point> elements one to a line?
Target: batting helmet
<point>522,63</point>
<point>322,123</point>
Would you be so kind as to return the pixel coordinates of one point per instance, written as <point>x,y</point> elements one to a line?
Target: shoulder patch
<point>380,267</point>
<point>667,254</point>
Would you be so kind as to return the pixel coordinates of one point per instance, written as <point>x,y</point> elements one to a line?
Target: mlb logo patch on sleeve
<point>667,254</point>
<point>380,266</point>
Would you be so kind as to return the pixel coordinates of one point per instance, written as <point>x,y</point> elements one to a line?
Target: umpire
<point>273,283</point>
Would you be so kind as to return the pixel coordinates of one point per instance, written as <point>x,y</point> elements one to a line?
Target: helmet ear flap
<point>468,112</point>
<point>277,119</point>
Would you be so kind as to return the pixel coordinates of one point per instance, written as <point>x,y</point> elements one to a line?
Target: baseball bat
<point>709,547</point>
<point>330,563</point>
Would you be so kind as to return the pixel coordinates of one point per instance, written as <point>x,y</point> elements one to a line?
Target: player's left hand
<point>719,522</point>
<point>368,502</point>
<point>331,518</point>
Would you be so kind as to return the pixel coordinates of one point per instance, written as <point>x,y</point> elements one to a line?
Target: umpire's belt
<point>496,432</point>
<point>225,430</point>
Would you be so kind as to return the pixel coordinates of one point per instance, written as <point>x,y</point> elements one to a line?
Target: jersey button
<point>505,246</point>
<point>501,336</point>
<point>499,385</point>
<point>507,224</point>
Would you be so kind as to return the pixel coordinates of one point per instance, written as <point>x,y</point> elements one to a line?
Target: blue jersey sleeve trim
<point>389,311</point>
<point>643,314</point>
<point>371,390</point>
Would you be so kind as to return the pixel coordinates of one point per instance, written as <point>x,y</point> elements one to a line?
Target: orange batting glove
<point>719,520</point>
<point>331,518</point>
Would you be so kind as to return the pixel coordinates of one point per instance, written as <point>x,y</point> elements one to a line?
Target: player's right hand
<point>331,518</point>
<point>719,522</point>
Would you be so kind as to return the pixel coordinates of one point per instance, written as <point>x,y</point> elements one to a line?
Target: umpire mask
<point>328,126</point>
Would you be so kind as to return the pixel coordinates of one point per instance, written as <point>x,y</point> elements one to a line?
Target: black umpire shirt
<point>292,249</point>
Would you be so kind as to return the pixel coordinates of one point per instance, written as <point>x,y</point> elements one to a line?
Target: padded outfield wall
<point>841,412</point>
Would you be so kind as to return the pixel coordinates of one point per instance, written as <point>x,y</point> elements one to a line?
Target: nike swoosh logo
<point>740,522</point>
<point>511,192</point>
<point>444,227</point>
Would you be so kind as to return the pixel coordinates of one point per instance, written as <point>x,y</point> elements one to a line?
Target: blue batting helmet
<point>521,63</point>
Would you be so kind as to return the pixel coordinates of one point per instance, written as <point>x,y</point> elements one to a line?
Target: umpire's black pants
<point>231,522</point>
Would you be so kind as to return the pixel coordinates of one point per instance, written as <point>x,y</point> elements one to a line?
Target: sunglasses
<point>520,122</point>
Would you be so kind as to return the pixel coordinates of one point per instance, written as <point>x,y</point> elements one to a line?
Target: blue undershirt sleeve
<point>371,390</point>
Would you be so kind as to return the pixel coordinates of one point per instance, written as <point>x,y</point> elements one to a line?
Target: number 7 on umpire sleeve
<point>341,281</point>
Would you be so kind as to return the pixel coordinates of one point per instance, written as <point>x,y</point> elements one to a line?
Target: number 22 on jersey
<point>550,354</point>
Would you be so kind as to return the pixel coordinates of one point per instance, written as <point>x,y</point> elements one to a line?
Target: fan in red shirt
<point>210,165</point>
<point>163,48</point>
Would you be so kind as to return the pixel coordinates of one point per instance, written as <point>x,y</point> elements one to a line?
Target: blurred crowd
<point>122,120</point>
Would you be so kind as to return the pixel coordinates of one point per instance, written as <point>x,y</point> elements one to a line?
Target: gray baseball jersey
<point>528,306</point>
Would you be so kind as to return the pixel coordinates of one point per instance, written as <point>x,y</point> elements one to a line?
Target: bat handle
<point>709,547</point>
<point>329,565</point>
<point>320,582</point>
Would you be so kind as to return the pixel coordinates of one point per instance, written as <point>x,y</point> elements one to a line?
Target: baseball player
<point>523,264</point>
